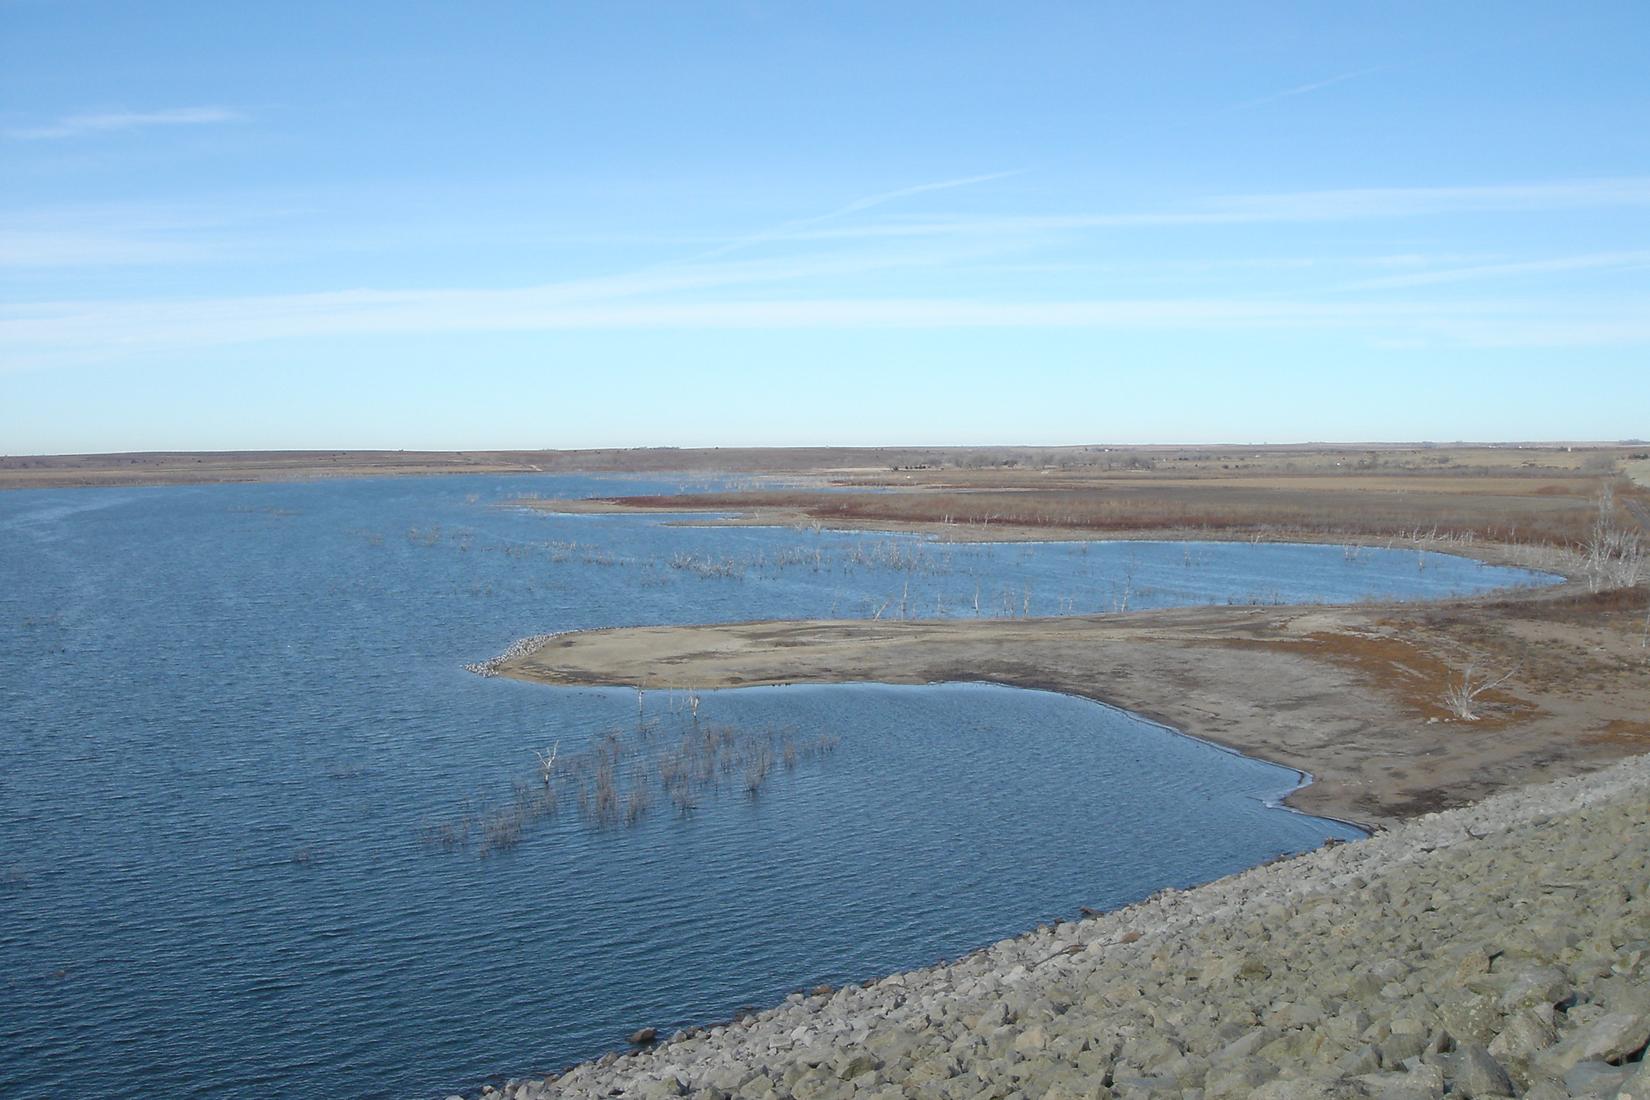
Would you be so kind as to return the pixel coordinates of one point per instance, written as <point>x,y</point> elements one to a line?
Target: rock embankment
<point>1498,950</point>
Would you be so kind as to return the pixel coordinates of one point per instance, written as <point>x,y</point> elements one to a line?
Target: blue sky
<point>587,224</point>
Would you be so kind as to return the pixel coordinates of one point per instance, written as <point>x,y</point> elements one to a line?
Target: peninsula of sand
<point>1359,697</point>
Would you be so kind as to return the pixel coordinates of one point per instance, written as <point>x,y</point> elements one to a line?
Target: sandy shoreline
<point>1353,695</point>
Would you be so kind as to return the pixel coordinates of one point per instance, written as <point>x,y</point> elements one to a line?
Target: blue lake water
<point>231,715</point>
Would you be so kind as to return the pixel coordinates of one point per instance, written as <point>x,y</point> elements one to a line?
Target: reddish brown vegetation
<point>1210,507</point>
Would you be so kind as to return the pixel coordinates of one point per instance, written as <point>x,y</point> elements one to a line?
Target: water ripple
<point>230,710</point>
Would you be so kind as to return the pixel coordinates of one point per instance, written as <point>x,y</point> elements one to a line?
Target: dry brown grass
<point>1496,494</point>
<point>1622,733</point>
<point>959,467</point>
<point>1570,606</point>
<point>1418,678</point>
<point>1500,514</point>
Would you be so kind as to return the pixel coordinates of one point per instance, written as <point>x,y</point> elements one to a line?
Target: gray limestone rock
<point>1594,1079</point>
<point>1637,1085</point>
<point>1479,1075</point>
<point>1423,1083</point>
<point>1524,1036</point>
<point>1608,1038</point>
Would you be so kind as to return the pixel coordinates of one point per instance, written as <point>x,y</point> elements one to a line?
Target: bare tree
<point>547,762</point>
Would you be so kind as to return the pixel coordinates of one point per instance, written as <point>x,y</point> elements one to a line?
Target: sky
<point>518,225</point>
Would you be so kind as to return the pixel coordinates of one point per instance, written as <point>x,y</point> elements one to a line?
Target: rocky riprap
<point>521,647</point>
<point>1498,950</point>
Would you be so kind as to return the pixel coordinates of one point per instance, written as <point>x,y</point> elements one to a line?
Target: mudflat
<point>1354,695</point>
<point>1358,696</point>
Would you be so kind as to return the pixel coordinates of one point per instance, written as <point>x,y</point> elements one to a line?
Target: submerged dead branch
<point>617,780</point>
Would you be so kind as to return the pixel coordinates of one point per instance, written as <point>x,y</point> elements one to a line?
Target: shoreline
<point>507,665</point>
<point>1351,694</point>
<point>1373,732</point>
<point>1394,972</point>
<point>1535,557</point>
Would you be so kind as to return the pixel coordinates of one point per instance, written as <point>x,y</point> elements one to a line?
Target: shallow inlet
<point>234,707</point>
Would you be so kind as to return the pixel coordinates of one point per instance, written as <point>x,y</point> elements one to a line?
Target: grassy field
<point>959,467</point>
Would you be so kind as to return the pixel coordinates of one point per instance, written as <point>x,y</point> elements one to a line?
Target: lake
<point>247,781</point>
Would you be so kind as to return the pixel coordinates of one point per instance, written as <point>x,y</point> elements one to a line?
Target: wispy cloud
<point>905,192</point>
<point>1350,204</point>
<point>1304,89</point>
<point>120,234</point>
<point>823,287</point>
<point>1590,262</point>
<point>64,333</point>
<point>1381,202</point>
<point>74,126</point>
<point>790,229</point>
<point>37,249</point>
<point>130,235</point>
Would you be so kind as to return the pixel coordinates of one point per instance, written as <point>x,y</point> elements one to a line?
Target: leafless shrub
<point>616,780</point>
<point>532,803</point>
<point>1461,699</point>
<point>451,834</point>
<point>707,566</point>
<point>1613,556</point>
<point>757,768</point>
<point>684,800</point>
<point>605,798</point>
<point>501,831</point>
<point>1601,462</point>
